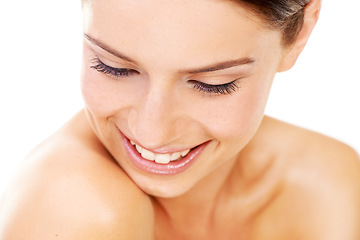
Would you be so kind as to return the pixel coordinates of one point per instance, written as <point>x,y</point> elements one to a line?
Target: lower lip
<point>172,168</point>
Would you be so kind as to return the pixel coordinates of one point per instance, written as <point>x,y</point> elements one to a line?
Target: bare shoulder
<point>69,188</point>
<point>320,196</point>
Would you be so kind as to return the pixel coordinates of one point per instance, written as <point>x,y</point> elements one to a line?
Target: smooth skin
<point>258,178</point>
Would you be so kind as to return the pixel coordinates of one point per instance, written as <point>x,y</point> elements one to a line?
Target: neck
<point>197,206</point>
<point>241,185</point>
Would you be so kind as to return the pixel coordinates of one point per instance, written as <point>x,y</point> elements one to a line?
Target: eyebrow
<point>210,68</point>
<point>222,65</point>
<point>108,48</point>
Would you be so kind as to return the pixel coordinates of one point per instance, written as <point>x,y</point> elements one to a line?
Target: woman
<point>173,142</point>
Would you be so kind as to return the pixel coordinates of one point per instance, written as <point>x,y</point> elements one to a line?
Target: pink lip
<point>172,168</point>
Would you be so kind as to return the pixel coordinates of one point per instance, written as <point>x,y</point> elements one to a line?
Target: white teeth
<point>159,158</point>
<point>139,148</point>
<point>147,154</point>
<point>184,153</point>
<point>162,158</point>
<point>175,156</point>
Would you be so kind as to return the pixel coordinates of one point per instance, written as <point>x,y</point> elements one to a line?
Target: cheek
<point>102,95</point>
<point>240,115</point>
<point>94,94</point>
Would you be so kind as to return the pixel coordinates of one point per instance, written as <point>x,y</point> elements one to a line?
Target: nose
<point>155,121</point>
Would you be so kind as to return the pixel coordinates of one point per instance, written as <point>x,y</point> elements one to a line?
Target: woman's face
<point>172,76</point>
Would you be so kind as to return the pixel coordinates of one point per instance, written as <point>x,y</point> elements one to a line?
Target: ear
<point>291,53</point>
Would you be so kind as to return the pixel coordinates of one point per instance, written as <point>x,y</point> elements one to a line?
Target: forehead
<point>208,29</point>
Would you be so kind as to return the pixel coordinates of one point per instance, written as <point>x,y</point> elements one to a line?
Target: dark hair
<point>285,15</point>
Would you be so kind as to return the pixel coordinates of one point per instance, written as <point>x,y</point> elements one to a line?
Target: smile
<point>169,163</point>
<point>160,158</point>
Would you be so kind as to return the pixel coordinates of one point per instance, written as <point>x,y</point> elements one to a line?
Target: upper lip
<point>161,150</point>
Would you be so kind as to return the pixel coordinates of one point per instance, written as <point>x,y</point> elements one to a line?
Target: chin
<point>164,189</point>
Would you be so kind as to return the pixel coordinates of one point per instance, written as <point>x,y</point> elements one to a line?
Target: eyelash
<point>224,89</point>
<point>110,71</point>
<point>116,73</point>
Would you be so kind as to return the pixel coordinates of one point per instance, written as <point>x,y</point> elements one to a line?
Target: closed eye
<point>224,89</point>
<point>116,73</point>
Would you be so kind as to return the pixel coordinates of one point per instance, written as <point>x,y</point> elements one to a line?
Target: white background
<point>40,47</point>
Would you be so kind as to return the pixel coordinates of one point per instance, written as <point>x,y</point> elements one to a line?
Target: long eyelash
<point>113,72</point>
<point>225,89</point>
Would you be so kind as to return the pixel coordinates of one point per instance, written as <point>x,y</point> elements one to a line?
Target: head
<point>172,75</point>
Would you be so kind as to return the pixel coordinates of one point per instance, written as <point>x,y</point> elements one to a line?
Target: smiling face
<point>172,76</point>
